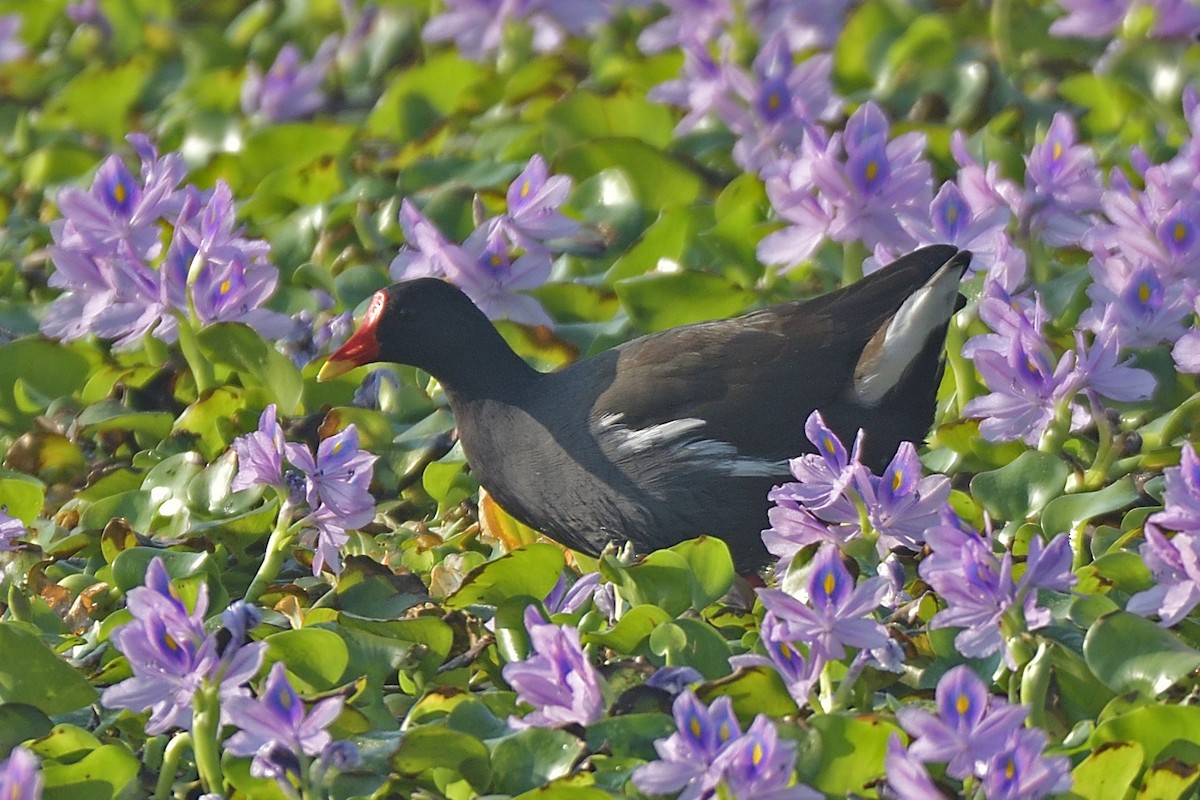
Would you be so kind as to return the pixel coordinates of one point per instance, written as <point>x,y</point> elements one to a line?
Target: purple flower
<point>757,764</point>
<point>260,454</point>
<point>907,778</point>
<point>331,537</point>
<point>825,481</point>
<point>794,527</point>
<point>967,727</point>
<point>806,26</point>
<point>567,597</point>
<point>278,716</point>
<point>1062,186</point>
<point>860,197</point>
<point>687,758</point>
<point>481,267</point>
<point>534,198</point>
<point>836,612</point>
<point>1028,390</point>
<point>477,26</point>
<point>11,46</point>
<point>799,672</point>
<point>980,593</point>
<point>705,87</point>
<point>339,478</point>
<point>687,22</point>
<point>1020,770</point>
<point>1095,19</point>
<point>1134,304</point>
<point>556,679</point>
<point>1174,562</point>
<point>901,504</point>
<point>780,99</point>
<point>290,89</point>
<point>20,778</point>
<point>11,529</point>
<point>708,750</point>
<point>171,656</point>
<point>1100,373</point>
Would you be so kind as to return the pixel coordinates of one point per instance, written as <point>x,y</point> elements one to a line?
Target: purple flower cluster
<point>171,656</point>
<point>122,281</point>
<point>982,597</point>
<point>1097,19</point>
<point>836,498</point>
<point>708,753</point>
<point>980,738</point>
<point>20,778</point>
<point>478,27</point>
<point>834,615</point>
<point>1030,390</point>
<point>11,529</point>
<point>12,48</point>
<point>855,185</point>
<point>504,255</point>
<point>335,484</point>
<point>290,89</point>
<point>1148,240</point>
<point>277,718</point>
<point>556,679</point>
<point>1174,562</point>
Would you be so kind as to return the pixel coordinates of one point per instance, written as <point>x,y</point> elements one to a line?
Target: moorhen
<point>682,432</point>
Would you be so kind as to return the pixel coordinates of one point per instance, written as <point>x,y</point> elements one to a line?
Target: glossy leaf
<point>532,570</point>
<point>1130,653</point>
<point>32,673</point>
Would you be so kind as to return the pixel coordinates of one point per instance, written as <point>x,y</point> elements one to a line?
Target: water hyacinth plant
<point>219,578</point>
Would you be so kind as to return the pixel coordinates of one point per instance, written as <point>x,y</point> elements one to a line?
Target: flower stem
<point>206,728</point>
<point>852,258</point>
<point>170,764</point>
<point>277,545</point>
<point>189,344</point>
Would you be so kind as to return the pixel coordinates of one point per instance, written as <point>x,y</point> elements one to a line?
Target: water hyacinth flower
<point>1174,562</point>
<point>708,752</point>
<point>556,679</point>
<point>834,614</point>
<point>20,778</point>
<point>982,597</point>
<point>339,478</point>
<point>687,22</point>
<point>133,254</point>
<point>290,89</point>
<point>477,27</point>
<point>1062,186</point>
<point>1097,19</point>
<point>486,266</point>
<point>799,670</point>
<point>11,46</point>
<point>978,736</point>
<point>277,716</point>
<point>865,185</point>
<point>834,494</point>
<point>171,656</point>
<point>11,529</point>
<point>260,454</point>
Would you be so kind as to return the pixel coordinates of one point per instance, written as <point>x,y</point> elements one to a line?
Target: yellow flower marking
<point>1143,292</point>
<point>1179,232</point>
<point>897,479</point>
<point>757,755</point>
<point>872,170</point>
<point>525,187</point>
<point>1056,151</point>
<point>226,285</point>
<point>119,193</point>
<point>962,704</point>
<point>695,728</point>
<point>830,583</point>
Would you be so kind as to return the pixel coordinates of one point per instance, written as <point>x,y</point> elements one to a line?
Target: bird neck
<point>475,363</point>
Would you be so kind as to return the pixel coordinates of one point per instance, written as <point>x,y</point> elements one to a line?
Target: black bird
<point>682,432</point>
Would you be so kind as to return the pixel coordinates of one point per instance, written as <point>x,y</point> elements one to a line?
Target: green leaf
<point>129,571</point>
<point>845,753</point>
<point>631,735</point>
<point>753,690</point>
<point>660,300</point>
<point>1154,727</point>
<point>631,630</point>
<point>19,722</point>
<point>99,98</point>
<point>112,416</point>
<point>1020,488</point>
<point>659,180</point>
<point>32,673</point>
<point>101,774</point>
<point>711,566</point>
<point>1108,771</point>
<point>52,369</point>
<point>316,656</point>
<point>256,363</point>
<point>1129,653</point>
<point>1066,513</point>
<point>532,570</point>
<point>531,758</point>
<point>435,746</point>
<point>293,145</point>
<point>22,494</point>
<point>662,579</point>
<point>422,96</point>
<point>692,643</point>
